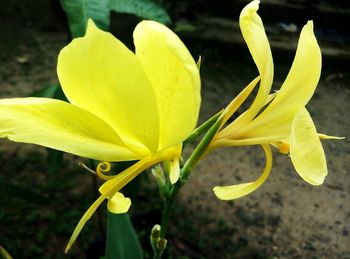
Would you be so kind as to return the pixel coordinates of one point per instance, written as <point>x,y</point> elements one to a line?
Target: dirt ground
<point>285,218</point>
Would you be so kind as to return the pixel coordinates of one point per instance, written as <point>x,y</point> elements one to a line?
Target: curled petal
<point>306,151</point>
<point>237,191</point>
<point>174,77</point>
<point>110,190</point>
<point>254,35</point>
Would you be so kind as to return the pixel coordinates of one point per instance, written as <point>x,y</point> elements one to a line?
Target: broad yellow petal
<point>303,76</point>
<point>254,35</point>
<point>98,73</point>
<point>306,150</point>
<point>174,76</point>
<point>118,203</point>
<point>237,191</point>
<point>62,126</point>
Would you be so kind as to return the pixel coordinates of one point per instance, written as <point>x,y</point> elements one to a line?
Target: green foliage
<point>79,11</point>
<point>122,241</point>
<point>146,9</point>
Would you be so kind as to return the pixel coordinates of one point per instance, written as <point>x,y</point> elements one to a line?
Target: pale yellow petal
<point>237,102</point>
<point>324,136</point>
<point>174,76</point>
<point>296,90</point>
<point>237,191</point>
<point>306,150</point>
<point>98,73</point>
<point>118,203</point>
<point>304,74</point>
<point>62,126</point>
<point>254,35</point>
<point>87,215</point>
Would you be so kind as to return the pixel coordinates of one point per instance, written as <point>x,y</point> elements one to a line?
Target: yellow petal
<point>98,73</point>
<point>110,189</point>
<point>304,74</point>
<point>298,87</point>
<point>62,126</point>
<point>306,150</point>
<point>118,203</point>
<point>174,76</point>
<point>237,191</point>
<point>114,185</point>
<point>254,35</point>
<point>87,215</point>
<point>295,92</point>
<point>324,136</point>
<point>237,102</point>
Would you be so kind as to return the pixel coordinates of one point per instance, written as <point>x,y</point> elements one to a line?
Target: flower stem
<point>159,243</point>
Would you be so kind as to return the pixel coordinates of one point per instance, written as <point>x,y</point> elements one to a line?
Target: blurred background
<point>43,193</point>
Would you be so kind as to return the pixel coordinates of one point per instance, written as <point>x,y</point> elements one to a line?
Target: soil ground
<point>285,218</point>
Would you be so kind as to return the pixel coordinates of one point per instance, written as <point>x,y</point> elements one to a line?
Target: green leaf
<point>79,11</point>
<point>145,9</point>
<point>50,91</point>
<point>122,242</point>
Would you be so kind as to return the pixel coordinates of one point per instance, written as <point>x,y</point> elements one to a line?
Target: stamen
<point>87,168</point>
<point>283,148</point>
<point>103,169</point>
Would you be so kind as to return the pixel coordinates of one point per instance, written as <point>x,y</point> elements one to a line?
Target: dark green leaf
<point>146,9</point>
<point>79,11</point>
<point>122,242</point>
<point>50,91</point>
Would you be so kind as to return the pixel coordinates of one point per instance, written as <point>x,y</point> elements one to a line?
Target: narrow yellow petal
<point>87,215</point>
<point>98,73</point>
<point>324,136</point>
<point>237,101</point>
<point>175,79</point>
<point>118,203</point>
<point>114,185</point>
<point>62,126</point>
<point>254,35</point>
<point>306,151</point>
<point>240,190</point>
<point>245,141</point>
<point>110,190</point>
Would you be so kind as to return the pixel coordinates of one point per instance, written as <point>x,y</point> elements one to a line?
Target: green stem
<point>201,129</point>
<point>168,204</point>
<point>184,174</point>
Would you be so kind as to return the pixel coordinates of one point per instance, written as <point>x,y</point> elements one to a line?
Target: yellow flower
<point>279,119</point>
<point>123,105</point>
